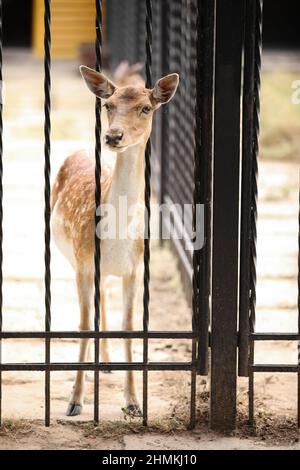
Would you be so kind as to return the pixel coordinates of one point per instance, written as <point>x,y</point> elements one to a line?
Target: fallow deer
<point>128,113</point>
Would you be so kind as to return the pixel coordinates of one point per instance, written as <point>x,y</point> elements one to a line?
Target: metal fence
<point>215,46</point>
<point>144,27</point>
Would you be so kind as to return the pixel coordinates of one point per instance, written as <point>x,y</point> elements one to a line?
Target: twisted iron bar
<point>196,201</point>
<point>148,43</point>
<point>197,175</point>
<point>148,68</point>
<point>47,166</point>
<point>1,205</point>
<point>207,141</point>
<point>246,184</point>
<point>97,258</point>
<point>47,193</point>
<point>255,153</point>
<point>253,215</point>
<point>97,254</point>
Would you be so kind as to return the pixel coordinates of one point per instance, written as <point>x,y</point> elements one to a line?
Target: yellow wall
<point>72,24</point>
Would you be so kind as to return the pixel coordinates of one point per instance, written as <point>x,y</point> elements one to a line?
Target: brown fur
<point>74,194</point>
<point>126,75</point>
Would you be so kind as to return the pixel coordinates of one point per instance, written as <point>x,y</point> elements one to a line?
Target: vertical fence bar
<point>229,42</point>
<point>97,254</point>
<point>198,12</point>
<point>148,44</point>
<point>193,385</point>
<point>47,191</point>
<point>298,375</point>
<point>246,193</point>
<point>1,204</point>
<point>205,91</point>
<point>254,175</point>
<point>196,202</point>
<point>251,384</point>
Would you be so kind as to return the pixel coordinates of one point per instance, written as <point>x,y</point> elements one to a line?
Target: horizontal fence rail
<point>100,366</point>
<point>98,334</point>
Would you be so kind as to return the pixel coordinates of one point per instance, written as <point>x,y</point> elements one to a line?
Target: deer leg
<point>104,343</point>
<point>84,283</point>
<point>129,293</point>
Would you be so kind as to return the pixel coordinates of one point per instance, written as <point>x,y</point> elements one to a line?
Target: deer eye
<point>146,109</point>
<point>107,106</point>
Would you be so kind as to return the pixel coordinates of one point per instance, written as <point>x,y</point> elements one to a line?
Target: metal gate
<point>205,150</point>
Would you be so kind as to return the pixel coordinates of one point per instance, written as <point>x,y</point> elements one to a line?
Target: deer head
<point>129,109</point>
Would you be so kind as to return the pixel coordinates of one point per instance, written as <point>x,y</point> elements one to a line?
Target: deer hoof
<point>133,411</point>
<point>74,409</point>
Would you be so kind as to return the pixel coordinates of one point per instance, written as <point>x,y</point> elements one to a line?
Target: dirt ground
<point>23,392</point>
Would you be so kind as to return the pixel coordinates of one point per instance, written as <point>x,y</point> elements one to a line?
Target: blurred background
<point>72,129</point>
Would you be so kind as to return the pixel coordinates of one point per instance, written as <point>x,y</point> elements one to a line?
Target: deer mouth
<point>115,147</point>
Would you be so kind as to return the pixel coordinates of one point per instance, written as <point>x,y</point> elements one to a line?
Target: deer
<point>127,114</point>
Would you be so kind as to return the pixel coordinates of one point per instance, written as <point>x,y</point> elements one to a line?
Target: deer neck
<point>128,177</point>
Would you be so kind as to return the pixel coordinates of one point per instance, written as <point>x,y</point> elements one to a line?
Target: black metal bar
<point>205,92</point>
<point>183,366</point>
<point>135,366</point>
<point>97,254</point>
<point>148,63</point>
<point>1,205</point>
<point>275,336</point>
<point>97,334</point>
<point>251,384</point>
<point>196,202</point>
<point>100,366</point>
<point>229,41</point>
<point>196,196</point>
<point>275,368</point>
<point>193,385</point>
<point>255,149</point>
<point>246,193</point>
<point>135,334</point>
<point>47,191</point>
<point>253,213</point>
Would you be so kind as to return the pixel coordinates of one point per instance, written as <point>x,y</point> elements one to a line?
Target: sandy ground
<point>23,392</point>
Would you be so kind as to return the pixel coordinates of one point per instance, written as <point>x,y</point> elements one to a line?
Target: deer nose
<point>113,138</point>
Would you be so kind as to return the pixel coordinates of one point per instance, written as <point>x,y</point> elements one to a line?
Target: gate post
<point>228,61</point>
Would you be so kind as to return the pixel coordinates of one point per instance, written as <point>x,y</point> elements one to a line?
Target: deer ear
<point>97,82</point>
<point>165,88</point>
